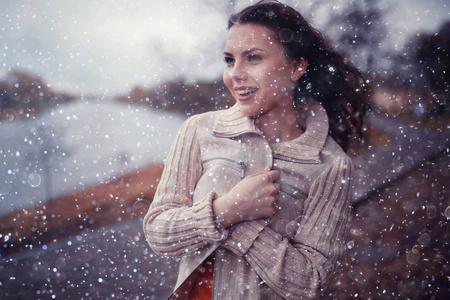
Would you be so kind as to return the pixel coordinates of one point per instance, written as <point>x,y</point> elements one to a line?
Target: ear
<point>299,68</point>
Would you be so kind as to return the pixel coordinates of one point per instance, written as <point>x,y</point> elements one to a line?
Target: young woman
<point>255,199</point>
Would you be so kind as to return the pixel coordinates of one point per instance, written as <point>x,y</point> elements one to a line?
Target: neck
<point>279,126</point>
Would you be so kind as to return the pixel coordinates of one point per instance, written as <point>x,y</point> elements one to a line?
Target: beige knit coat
<point>291,255</point>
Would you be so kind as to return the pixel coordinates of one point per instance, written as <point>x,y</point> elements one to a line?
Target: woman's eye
<point>253,57</point>
<point>228,60</point>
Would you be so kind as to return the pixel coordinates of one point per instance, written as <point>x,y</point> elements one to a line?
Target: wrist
<point>223,211</point>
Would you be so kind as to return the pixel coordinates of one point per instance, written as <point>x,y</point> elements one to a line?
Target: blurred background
<point>92,94</point>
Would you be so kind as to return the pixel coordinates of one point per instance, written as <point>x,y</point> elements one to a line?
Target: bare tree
<point>359,32</point>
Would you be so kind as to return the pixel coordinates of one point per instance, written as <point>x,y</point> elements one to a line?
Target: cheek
<point>227,80</point>
<point>268,76</point>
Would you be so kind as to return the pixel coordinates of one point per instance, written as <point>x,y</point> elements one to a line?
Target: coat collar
<point>312,116</point>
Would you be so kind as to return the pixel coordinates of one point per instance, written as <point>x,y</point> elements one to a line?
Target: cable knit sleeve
<point>174,224</point>
<point>302,267</point>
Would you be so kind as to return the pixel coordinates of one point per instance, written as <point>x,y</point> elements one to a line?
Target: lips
<point>245,92</point>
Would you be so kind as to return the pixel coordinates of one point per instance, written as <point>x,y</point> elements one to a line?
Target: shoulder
<point>204,121</point>
<point>193,122</point>
<point>204,118</point>
<point>200,127</point>
<point>333,154</point>
<point>209,117</point>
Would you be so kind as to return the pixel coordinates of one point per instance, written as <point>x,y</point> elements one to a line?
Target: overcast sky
<point>107,47</point>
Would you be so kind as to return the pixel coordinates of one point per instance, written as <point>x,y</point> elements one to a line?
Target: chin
<point>250,113</point>
<point>247,111</point>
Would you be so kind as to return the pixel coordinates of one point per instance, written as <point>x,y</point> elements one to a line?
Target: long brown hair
<point>330,78</point>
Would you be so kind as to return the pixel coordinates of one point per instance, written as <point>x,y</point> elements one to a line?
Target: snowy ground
<point>78,145</point>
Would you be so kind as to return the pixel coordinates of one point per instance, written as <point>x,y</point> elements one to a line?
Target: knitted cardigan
<point>291,255</point>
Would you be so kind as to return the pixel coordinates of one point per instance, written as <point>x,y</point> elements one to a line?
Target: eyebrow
<point>246,52</point>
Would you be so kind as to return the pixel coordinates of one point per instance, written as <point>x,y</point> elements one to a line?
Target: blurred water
<point>78,145</point>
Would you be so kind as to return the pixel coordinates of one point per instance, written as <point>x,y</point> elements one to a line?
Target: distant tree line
<point>22,91</point>
<point>182,98</point>
<point>424,65</point>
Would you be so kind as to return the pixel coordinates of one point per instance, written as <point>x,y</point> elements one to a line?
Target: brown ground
<point>122,199</point>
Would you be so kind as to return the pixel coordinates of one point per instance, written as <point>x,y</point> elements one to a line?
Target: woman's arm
<point>174,225</point>
<point>302,267</point>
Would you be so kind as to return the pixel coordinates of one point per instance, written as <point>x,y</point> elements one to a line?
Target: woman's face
<point>258,73</point>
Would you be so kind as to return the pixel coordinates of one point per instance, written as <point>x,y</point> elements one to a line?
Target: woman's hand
<point>252,198</point>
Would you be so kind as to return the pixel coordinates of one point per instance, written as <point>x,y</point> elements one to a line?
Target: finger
<point>269,175</point>
<point>264,171</point>
<point>275,205</point>
<point>273,175</point>
<point>277,187</point>
<point>272,189</point>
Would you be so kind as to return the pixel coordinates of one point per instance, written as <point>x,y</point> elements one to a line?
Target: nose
<point>238,72</point>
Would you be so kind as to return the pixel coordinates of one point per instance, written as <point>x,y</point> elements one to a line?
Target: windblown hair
<point>330,78</point>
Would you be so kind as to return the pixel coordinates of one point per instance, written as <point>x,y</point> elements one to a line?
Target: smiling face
<point>259,74</point>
